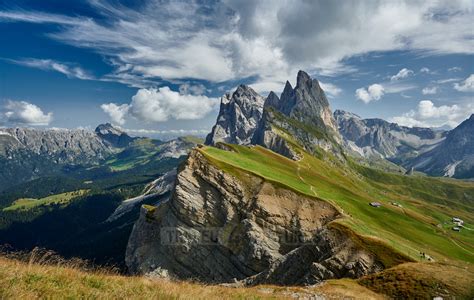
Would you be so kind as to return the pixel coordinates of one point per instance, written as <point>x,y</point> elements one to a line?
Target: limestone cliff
<point>218,227</point>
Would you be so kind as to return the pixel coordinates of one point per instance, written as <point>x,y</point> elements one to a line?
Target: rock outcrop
<point>238,117</point>
<point>220,228</point>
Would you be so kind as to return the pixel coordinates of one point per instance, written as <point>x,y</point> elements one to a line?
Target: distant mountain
<point>27,154</point>
<point>453,157</point>
<point>434,152</point>
<point>379,138</point>
<point>238,117</point>
<point>113,136</point>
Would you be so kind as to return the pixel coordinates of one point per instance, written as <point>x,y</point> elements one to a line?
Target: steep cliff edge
<point>218,227</point>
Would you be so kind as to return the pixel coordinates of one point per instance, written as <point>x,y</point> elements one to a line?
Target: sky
<point>158,68</point>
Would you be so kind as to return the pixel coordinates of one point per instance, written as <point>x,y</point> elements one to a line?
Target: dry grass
<point>42,277</point>
<point>423,281</point>
<point>42,274</point>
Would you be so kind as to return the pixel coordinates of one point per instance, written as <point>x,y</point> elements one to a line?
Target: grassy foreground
<point>33,280</point>
<point>20,280</point>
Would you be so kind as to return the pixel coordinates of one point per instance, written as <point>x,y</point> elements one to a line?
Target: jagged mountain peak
<point>108,128</point>
<point>238,117</point>
<point>112,135</point>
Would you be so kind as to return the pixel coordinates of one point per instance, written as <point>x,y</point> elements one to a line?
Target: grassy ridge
<point>422,224</point>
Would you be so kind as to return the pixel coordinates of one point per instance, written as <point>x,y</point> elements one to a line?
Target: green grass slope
<point>26,204</point>
<point>421,224</point>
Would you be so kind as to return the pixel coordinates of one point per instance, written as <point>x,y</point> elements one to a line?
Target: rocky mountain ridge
<point>377,137</point>
<point>27,154</point>
<point>301,112</point>
<point>217,229</point>
<point>434,152</point>
<point>453,157</point>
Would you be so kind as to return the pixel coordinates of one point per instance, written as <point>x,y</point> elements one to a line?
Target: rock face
<point>376,137</point>
<point>216,229</point>
<point>238,117</point>
<point>301,114</point>
<point>453,157</point>
<point>113,136</point>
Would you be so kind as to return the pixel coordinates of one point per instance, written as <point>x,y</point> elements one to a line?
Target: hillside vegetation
<point>416,212</point>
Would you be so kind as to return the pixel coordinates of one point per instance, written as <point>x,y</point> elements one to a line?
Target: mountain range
<point>282,192</point>
<point>303,113</point>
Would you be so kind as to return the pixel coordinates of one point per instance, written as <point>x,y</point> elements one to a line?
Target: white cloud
<point>373,93</point>
<point>67,69</point>
<point>193,89</point>
<point>116,112</point>
<point>467,85</point>
<point>24,113</point>
<point>403,73</point>
<point>427,114</point>
<point>425,70</point>
<point>429,90</point>
<point>160,105</point>
<point>447,80</point>
<point>455,69</point>
<point>268,40</point>
<point>330,89</point>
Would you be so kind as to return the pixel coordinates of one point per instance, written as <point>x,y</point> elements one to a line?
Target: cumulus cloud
<point>160,105</point>
<point>465,86</point>
<point>427,114</point>
<point>25,113</point>
<point>403,73</point>
<point>267,40</point>
<point>373,93</point>
<point>425,70</point>
<point>117,113</point>
<point>429,90</point>
<point>67,69</point>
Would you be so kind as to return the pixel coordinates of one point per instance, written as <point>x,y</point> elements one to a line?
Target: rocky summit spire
<point>238,117</point>
<point>306,102</point>
<point>302,112</point>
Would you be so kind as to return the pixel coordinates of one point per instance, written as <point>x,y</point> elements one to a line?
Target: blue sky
<point>159,67</point>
